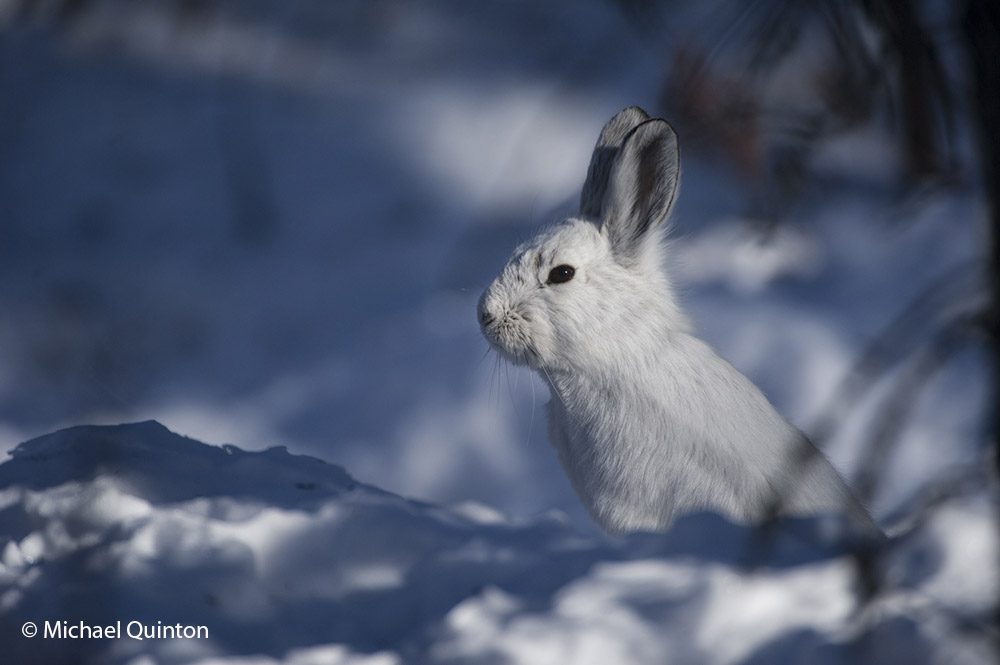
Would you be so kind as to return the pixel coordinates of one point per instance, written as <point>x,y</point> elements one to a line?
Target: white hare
<point>649,423</point>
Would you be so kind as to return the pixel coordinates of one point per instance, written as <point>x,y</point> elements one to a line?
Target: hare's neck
<point>614,374</point>
<point>651,317</point>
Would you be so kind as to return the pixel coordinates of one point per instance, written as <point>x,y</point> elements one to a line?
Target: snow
<point>268,223</point>
<point>287,559</point>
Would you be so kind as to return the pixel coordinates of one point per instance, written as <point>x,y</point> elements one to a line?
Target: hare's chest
<point>624,471</point>
<point>637,460</point>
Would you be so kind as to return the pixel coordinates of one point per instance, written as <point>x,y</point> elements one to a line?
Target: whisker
<point>493,377</point>
<point>554,390</point>
<point>511,391</point>
<point>485,355</point>
<point>501,366</point>
<point>531,421</point>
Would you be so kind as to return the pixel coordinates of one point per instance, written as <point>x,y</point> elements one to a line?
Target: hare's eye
<point>561,274</point>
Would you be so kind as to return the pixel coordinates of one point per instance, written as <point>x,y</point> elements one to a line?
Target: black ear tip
<point>621,124</point>
<point>654,130</point>
<point>634,115</point>
<point>659,124</point>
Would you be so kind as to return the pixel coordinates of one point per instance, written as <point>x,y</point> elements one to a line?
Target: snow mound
<point>217,555</point>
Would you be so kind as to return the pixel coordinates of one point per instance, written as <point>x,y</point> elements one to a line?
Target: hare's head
<point>592,287</point>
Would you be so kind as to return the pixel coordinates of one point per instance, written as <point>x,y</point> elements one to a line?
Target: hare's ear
<point>641,187</point>
<point>612,136</point>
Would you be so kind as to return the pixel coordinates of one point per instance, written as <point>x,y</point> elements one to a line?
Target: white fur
<point>649,423</point>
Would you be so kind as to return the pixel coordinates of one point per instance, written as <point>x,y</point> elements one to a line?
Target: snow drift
<point>286,558</point>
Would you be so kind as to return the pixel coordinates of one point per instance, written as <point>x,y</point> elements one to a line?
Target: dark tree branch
<point>982,31</point>
<point>921,82</point>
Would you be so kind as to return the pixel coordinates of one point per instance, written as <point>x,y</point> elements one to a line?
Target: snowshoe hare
<point>649,423</point>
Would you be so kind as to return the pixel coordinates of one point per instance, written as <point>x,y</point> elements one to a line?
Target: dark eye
<point>561,274</point>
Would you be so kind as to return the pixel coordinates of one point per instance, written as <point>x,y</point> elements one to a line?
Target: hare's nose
<point>485,318</point>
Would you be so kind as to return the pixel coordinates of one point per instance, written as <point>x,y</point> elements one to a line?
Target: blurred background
<point>267,222</point>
